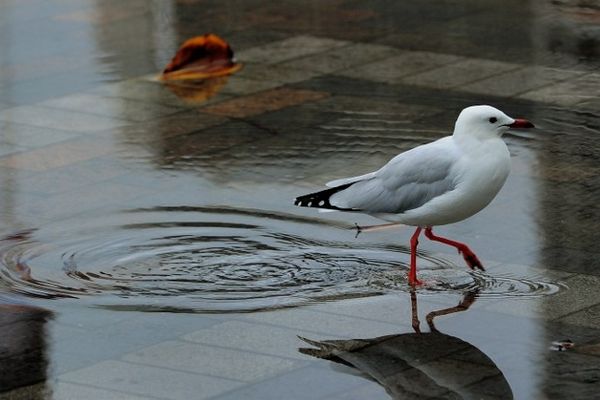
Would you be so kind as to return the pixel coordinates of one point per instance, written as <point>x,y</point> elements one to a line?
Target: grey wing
<point>408,181</point>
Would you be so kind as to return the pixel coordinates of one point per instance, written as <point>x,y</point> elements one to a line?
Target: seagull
<point>437,183</point>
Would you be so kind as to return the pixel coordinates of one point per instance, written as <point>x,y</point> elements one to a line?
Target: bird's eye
<point>493,120</point>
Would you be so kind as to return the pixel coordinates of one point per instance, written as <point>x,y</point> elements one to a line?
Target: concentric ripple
<point>219,260</point>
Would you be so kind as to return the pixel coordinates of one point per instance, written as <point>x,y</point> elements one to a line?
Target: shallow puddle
<point>149,247</point>
<point>210,259</point>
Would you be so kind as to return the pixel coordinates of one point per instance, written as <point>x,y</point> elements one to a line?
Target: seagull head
<point>486,122</point>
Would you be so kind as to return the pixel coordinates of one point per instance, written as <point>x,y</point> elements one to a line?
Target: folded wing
<point>408,181</point>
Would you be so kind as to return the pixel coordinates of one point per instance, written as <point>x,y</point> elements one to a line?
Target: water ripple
<point>221,260</point>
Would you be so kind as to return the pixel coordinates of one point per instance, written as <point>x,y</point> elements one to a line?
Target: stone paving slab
<point>143,380</point>
<point>239,85</point>
<point>304,319</point>
<point>567,94</point>
<point>59,119</point>
<point>71,391</point>
<point>457,74</point>
<point>145,89</point>
<point>108,337</point>
<point>305,383</point>
<point>264,102</point>
<point>369,391</point>
<point>283,74</point>
<point>57,155</point>
<point>341,58</point>
<point>254,337</point>
<point>517,81</point>
<point>394,69</point>
<point>28,136</point>
<point>121,108</point>
<point>587,317</point>
<point>213,360</point>
<point>82,199</point>
<point>288,49</point>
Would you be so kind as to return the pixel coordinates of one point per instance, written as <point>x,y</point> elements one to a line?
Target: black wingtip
<point>321,199</point>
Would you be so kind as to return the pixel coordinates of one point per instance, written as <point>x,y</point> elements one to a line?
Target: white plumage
<point>438,183</point>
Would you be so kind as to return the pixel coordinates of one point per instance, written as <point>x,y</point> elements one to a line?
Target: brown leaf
<point>201,57</point>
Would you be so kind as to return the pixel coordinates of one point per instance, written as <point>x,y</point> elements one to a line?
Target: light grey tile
<point>212,360</point>
<point>178,94</point>
<point>139,89</point>
<point>394,309</point>
<point>304,319</point>
<point>114,107</point>
<point>85,198</point>
<point>10,148</point>
<point>28,136</point>
<point>71,391</point>
<point>258,338</point>
<point>394,69</point>
<point>57,155</point>
<point>371,391</point>
<point>71,121</point>
<point>149,381</point>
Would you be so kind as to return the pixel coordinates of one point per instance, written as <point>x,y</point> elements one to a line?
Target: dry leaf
<point>201,57</point>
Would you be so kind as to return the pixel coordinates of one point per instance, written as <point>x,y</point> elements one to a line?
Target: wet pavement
<point>150,248</point>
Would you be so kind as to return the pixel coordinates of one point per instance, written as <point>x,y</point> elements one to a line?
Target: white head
<point>486,122</point>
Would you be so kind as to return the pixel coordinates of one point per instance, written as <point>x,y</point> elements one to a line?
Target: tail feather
<point>321,199</point>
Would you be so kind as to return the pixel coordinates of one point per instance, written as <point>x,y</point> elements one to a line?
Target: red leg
<point>470,257</point>
<point>412,274</point>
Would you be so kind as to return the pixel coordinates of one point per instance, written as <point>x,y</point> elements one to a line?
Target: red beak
<point>521,123</point>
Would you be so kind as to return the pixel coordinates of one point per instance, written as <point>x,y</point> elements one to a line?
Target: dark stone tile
<point>156,133</point>
<point>205,149</point>
<point>589,317</point>
<point>23,348</point>
<point>572,260</point>
<point>572,371</point>
<point>240,40</point>
<point>288,49</point>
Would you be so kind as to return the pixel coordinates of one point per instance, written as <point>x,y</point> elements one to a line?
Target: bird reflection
<point>23,351</point>
<point>420,365</point>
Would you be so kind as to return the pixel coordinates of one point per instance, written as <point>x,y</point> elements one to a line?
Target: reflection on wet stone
<point>23,350</point>
<point>420,365</point>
